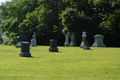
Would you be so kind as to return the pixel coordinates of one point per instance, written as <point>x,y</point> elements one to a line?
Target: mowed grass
<point>70,63</point>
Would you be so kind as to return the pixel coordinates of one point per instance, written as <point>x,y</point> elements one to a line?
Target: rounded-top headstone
<point>19,39</point>
<point>53,46</point>
<point>53,43</point>
<point>22,38</point>
<point>86,46</point>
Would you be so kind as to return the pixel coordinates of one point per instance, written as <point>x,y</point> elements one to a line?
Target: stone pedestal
<point>25,49</point>
<point>66,40</point>
<point>53,46</point>
<point>83,39</point>
<point>19,39</point>
<point>33,41</point>
<point>86,45</point>
<point>73,42</point>
<point>98,41</point>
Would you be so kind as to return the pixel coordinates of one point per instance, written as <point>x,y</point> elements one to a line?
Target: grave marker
<point>33,41</point>
<point>86,45</point>
<point>53,46</point>
<point>83,39</point>
<point>19,39</point>
<point>98,41</point>
<point>25,47</point>
<point>66,40</point>
<point>73,42</point>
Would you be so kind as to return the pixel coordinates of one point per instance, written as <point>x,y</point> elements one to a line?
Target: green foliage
<point>73,21</point>
<point>13,14</point>
<point>11,40</point>
<point>112,23</point>
<point>69,17</point>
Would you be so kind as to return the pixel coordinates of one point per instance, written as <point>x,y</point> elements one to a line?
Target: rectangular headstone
<point>53,46</point>
<point>25,47</point>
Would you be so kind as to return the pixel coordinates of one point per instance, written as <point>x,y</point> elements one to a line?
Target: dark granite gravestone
<point>25,47</point>
<point>83,39</point>
<point>86,46</point>
<point>53,46</point>
<point>19,39</point>
<point>1,38</point>
<point>98,41</point>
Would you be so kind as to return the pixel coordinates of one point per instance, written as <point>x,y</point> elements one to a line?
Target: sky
<point>3,1</point>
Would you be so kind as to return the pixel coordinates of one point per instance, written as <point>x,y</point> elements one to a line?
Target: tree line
<point>55,18</point>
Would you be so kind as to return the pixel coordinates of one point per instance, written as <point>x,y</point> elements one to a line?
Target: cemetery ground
<point>70,63</point>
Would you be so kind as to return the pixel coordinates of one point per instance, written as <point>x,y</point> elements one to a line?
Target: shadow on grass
<point>56,52</point>
<point>33,57</point>
<point>29,57</point>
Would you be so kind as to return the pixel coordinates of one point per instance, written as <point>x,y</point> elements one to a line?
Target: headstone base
<point>53,49</point>
<point>18,45</point>
<point>33,45</point>
<point>86,46</point>
<point>82,44</point>
<point>73,43</point>
<point>25,54</point>
<point>98,45</point>
<point>66,44</point>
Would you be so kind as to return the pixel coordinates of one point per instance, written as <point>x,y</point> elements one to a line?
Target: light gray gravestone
<point>33,41</point>
<point>19,39</point>
<point>83,39</point>
<point>53,46</point>
<point>25,48</point>
<point>86,45</point>
<point>73,42</point>
<point>98,41</point>
<point>66,40</point>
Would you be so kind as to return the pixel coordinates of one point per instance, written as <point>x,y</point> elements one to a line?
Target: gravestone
<point>86,45</point>
<point>66,40</point>
<point>83,39</point>
<point>98,41</point>
<point>33,41</point>
<point>73,42</point>
<point>1,38</point>
<point>53,46</point>
<point>25,47</point>
<point>19,39</point>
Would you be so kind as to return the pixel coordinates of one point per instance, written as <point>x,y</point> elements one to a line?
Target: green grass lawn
<point>70,63</point>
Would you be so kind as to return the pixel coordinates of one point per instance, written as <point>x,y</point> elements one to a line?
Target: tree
<point>111,25</point>
<point>48,18</point>
<point>14,13</point>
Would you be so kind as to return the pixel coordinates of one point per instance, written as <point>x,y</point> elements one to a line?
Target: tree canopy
<point>54,18</point>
